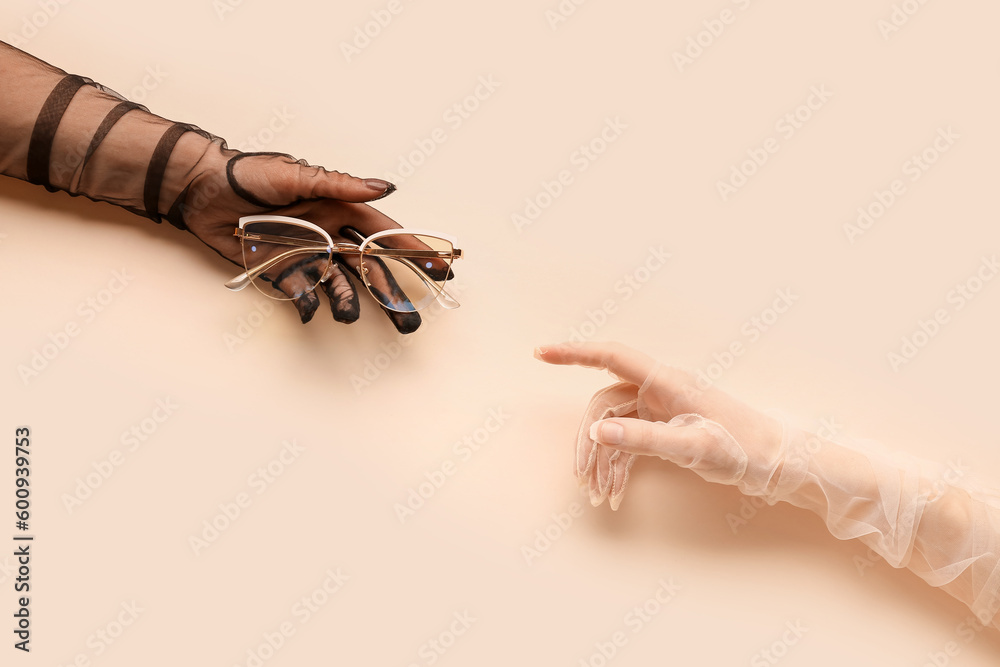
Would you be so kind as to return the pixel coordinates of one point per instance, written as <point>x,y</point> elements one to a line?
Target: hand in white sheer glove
<point>908,511</point>
<point>662,412</point>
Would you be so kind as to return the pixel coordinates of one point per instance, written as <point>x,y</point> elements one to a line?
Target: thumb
<point>688,440</point>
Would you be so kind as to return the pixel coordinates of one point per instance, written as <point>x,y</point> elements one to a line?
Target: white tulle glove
<point>910,512</point>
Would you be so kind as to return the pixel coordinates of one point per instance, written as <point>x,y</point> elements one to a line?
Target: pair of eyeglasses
<point>405,270</point>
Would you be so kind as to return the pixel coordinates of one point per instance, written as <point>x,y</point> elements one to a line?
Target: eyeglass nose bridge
<point>328,273</point>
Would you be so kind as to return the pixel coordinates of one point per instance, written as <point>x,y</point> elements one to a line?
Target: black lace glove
<point>66,132</point>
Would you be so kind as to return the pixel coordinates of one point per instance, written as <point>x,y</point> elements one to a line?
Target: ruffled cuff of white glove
<point>919,515</point>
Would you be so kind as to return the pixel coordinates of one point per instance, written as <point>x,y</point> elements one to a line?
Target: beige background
<point>168,335</point>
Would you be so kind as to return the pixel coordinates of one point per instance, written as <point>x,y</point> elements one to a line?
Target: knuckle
<point>613,355</point>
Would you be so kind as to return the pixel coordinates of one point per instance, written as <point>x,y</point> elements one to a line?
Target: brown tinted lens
<point>284,247</point>
<point>409,282</point>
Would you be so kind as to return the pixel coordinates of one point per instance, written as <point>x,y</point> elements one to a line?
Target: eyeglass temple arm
<point>348,248</point>
<point>443,297</point>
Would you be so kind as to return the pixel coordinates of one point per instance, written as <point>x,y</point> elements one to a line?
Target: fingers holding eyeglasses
<point>343,293</point>
<point>299,282</point>
<point>390,297</point>
<point>344,302</point>
<point>289,258</point>
<point>300,286</point>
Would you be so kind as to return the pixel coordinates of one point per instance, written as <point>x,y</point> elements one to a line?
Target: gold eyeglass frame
<point>366,246</point>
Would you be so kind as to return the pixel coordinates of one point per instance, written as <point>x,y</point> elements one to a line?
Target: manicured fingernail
<point>377,184</point>
<point>608,433</point>
<point>542,350</point>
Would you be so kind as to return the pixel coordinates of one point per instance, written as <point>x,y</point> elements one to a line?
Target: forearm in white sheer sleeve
<point>913,513</point>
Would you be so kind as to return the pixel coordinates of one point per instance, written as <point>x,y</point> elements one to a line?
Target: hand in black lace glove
<point>68,133</point>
